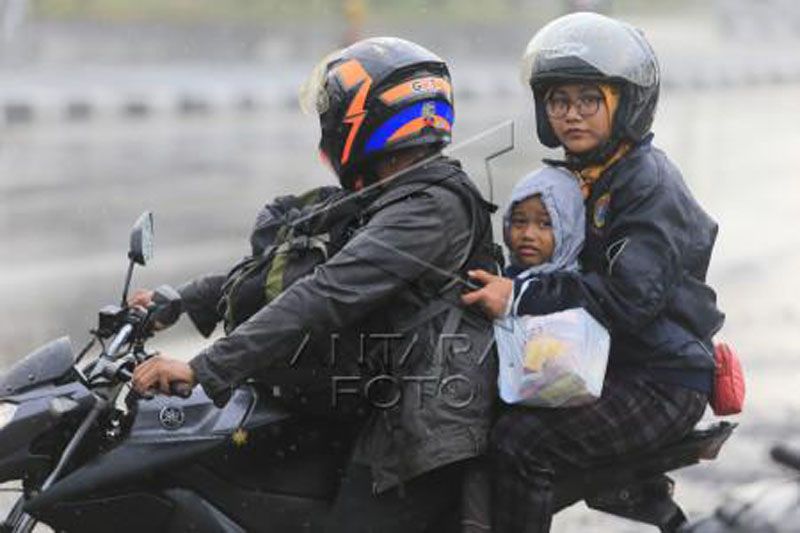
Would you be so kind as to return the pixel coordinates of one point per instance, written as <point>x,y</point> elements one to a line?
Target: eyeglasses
<point>586,105</point>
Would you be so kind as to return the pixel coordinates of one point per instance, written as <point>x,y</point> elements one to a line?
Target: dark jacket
<point>435,393</point>
<point>645,258</point>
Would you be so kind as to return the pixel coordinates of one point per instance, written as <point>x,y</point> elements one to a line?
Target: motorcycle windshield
<point>43,365</point>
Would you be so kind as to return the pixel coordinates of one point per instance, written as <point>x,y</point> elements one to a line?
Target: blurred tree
<point>355,12</point>
<point>12,15</point>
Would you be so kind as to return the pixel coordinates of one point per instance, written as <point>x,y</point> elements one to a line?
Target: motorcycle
<point>93,455</point>
<point>768,506</point>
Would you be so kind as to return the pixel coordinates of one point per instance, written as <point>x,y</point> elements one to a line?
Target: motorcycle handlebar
<point>176,388</point>
<point>786,456</point>
<point>166,307</point>
<point>119,340</point>
<point>180,388</point>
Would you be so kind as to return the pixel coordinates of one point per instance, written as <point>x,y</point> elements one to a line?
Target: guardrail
<point>142,93</point>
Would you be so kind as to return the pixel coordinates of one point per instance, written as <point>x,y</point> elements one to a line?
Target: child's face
<point>578,115</point>
<point>531,233</point>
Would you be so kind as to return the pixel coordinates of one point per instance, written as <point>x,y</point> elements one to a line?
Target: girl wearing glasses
<point>595,84</point>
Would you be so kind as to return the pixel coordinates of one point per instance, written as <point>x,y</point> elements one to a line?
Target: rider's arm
<point>200,297</point>
<point>397,246</point>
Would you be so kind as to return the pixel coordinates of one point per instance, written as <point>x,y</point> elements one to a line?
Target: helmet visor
<point>614,48</point>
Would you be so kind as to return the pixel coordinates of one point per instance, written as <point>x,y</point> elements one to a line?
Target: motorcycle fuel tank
<point>166,431</point>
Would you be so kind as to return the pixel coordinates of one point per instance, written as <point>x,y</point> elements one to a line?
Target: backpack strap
<point>470,198</point>
<point>473,204</point>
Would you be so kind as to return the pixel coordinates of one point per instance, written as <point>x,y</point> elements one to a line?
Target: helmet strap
<point>597,157</point>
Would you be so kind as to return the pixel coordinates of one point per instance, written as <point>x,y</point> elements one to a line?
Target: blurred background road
<point>188,108</point>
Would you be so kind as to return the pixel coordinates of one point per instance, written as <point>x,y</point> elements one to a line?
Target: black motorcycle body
<point>181,464</point>
<point>167,463</point>
<point>770,505</point>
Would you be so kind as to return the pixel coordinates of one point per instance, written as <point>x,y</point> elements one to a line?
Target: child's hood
<point>561,194</point>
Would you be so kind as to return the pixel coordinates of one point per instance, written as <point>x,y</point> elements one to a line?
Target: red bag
<point>728,396</point>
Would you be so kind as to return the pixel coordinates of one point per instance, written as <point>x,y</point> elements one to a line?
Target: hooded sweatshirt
<point>561,195</point>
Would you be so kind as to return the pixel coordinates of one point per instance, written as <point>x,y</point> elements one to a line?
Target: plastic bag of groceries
<point>554,360</point>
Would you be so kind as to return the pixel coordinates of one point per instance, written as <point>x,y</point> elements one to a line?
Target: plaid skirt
<point>529,446</point>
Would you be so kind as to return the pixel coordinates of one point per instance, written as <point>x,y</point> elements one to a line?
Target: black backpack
<point>292,235</point>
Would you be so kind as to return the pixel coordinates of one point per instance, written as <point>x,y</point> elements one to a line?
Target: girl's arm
<point>642,265</point>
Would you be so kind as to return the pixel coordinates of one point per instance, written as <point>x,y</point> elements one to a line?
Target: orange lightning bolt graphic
<point>351,74</point>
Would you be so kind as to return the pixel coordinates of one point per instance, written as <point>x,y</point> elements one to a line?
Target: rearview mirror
<point>141,248</point>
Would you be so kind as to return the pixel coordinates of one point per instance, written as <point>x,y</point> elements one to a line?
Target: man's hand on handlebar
<point>162,374</point>
<point>164,305</point>
<point>141,298</point>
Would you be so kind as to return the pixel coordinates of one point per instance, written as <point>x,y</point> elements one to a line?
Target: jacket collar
<point>590,174</point>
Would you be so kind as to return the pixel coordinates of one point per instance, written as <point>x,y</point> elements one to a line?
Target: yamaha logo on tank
<point>171,417</point>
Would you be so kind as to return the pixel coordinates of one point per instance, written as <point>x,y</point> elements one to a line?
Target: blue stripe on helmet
<point>381,136</point>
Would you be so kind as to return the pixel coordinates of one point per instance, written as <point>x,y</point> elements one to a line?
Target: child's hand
<point>493,296</point>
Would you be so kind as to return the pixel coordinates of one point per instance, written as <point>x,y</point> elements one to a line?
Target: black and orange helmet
<point>377,96</point>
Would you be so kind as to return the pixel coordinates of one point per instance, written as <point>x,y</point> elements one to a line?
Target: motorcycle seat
<point>644,471</point>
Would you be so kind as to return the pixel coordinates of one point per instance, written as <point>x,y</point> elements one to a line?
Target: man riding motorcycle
<point>385,110</point>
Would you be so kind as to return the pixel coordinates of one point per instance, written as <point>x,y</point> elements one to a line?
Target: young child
<point>595,83</point>
<point>543,226</point>
<point>557,359</point>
